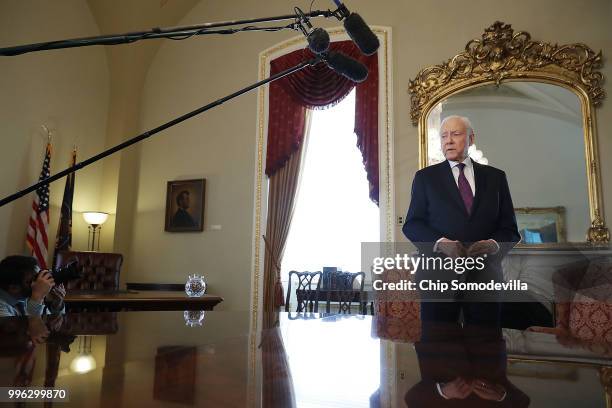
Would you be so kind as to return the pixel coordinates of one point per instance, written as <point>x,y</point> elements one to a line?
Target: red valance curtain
<point>315,88</point>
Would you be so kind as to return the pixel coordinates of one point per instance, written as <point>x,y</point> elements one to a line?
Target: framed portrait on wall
<point>185,205</point>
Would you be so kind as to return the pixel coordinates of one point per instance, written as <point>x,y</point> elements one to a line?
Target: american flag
<point>38,227</point>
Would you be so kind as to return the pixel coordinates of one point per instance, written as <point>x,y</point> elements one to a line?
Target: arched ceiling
<point>115,17</point>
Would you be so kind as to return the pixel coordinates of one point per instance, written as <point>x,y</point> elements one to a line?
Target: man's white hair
<point>466,121</point>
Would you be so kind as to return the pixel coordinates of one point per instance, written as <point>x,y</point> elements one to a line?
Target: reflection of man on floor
<point>182,218</point>
<point>461,208</point>
<point>463,367</point>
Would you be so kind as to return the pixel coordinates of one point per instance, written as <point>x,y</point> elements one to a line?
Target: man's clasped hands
<point>456,249</point>
<point>461,388</point>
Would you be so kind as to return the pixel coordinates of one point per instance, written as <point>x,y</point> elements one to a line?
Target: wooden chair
<point>306,291</point>
<point>340,287</point>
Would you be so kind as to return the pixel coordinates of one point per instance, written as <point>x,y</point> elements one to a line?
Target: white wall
<point>66,90</point>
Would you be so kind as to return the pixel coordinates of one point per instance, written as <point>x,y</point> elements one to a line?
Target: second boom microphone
<point>346,66</point>
<point>357,29</point>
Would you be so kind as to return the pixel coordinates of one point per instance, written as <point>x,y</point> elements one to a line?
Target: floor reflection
<point>154,359</point>
<point>463,366</point>
<point>334,361</point>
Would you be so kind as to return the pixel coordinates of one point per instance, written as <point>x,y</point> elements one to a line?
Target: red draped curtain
<point>314,87</point>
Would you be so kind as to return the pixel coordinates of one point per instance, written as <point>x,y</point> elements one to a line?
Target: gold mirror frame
<point>503,55</point>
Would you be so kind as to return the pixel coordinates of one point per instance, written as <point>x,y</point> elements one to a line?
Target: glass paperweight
<point>195,286</point>
<point>193,318</point>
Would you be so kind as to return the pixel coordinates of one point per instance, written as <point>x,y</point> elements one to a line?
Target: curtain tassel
<point>279,299</point>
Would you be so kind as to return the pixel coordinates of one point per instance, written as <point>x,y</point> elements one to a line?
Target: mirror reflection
<point>534,132</point>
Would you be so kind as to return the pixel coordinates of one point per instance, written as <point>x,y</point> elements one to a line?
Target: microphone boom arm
<point>170,32</point>
<point>158,129</point>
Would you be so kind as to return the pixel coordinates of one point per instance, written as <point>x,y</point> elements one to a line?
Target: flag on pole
<point>38,227</point>
<point>63,241</point>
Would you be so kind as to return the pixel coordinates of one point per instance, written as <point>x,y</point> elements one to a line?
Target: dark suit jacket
<point>437,210</point>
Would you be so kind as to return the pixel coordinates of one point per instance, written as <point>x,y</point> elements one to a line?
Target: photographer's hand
<point>41,286</point>
<point>55,298</point>
<point>55,322</point>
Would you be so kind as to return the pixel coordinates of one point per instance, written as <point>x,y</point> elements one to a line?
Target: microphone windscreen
<point>361,34</point>
<point>348,67</point>
<point>318,41</point>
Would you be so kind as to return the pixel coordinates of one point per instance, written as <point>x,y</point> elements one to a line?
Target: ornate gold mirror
<point>532,107</point>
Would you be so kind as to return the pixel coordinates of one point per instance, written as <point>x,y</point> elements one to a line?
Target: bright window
<point>333,213</point>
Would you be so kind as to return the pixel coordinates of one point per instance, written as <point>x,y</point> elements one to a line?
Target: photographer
<point>27,291</point>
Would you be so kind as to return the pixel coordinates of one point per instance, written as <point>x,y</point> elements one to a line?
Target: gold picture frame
<point>538,221</point>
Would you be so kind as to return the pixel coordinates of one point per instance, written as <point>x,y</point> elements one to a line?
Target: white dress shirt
<point>468,170</point>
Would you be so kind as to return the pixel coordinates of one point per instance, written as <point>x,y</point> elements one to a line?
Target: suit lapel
<point>480,181</point>
<point>450,185</point>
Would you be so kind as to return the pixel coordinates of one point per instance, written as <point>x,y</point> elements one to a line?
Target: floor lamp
<point>95,219</point>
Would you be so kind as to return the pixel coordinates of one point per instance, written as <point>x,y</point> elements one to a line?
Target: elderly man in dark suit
<point>461,208</point>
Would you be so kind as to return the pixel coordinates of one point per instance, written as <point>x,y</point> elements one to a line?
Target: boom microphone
<point>318,39</point>
<point>346,66</point>
<point>357,29</point>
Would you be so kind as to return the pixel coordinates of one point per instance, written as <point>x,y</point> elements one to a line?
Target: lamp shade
<point>95,217</point>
